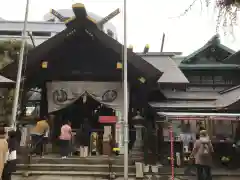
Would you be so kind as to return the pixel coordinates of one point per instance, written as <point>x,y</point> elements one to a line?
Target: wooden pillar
<point>43,102</point>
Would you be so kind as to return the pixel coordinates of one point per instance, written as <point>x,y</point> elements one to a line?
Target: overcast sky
<point>147,20</point>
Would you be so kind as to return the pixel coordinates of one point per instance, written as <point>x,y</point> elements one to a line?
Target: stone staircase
<point>100,166</point>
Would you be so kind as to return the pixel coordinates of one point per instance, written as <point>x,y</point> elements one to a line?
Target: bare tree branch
<point>187,10</point>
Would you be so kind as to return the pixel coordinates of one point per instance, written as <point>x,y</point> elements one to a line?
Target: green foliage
<point>8,100</point>
<point>9,51</point>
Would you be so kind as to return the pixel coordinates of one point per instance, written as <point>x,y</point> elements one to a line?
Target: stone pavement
<point>46,177</point>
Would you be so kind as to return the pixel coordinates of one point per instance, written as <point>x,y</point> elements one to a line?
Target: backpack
<point>204,149</point>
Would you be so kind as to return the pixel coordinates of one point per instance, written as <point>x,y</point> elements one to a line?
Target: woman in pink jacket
<point>65,139</point>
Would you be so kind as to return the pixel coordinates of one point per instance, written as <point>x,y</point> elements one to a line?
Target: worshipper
<point>37,136</point>
<point>11,162</point>
<point>3,149</point>
<point>85,138</point>
<point>202,152</point>
<point>65,140</point>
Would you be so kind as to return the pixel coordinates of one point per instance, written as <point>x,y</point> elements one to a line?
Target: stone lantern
<point>137,150</point>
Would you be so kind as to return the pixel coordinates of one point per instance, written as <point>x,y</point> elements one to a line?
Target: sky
<point>146,21</point>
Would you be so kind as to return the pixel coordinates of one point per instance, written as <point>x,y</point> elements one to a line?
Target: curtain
<point>61,94</point>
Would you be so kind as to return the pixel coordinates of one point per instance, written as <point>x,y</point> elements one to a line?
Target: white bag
<point>12,155</point>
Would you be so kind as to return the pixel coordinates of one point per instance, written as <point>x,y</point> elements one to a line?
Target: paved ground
<point>93,178</point>
<point>58,178</point>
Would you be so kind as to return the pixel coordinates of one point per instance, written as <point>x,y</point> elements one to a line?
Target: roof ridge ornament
<point>80,12</point>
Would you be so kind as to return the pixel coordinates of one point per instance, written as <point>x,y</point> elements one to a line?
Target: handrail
<point>29,155</point>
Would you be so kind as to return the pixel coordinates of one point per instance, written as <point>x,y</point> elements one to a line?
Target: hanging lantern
<point>119,65</point>
<point>44,65</point>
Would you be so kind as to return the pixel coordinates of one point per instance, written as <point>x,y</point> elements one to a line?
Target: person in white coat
<point>11,163</point>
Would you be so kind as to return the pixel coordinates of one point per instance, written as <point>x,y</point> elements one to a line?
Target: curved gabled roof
<point>215,40</point>
<point>217,101</point>
<point>83,27</point>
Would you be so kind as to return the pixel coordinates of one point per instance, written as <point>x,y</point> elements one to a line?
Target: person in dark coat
<point>84,138</point>
<point>11,163</point>
<point>86,130</point>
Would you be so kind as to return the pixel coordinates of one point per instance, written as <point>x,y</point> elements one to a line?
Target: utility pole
<point>163,41</point>
<point>19,72</point>
<point>125,79</point>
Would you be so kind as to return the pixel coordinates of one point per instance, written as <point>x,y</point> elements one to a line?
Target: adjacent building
<point>43,30</point>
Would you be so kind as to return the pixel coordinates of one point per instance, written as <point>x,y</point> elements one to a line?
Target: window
<point>195,79</point>
<point>11,33</point>
<point>228,81</point>
<point>207,79</point>
<point>180,125</point>
<point>218,80</point>
<point>222,128</point>
<point>39,33</point>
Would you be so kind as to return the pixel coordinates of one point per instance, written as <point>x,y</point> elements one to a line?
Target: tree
<point>227,11</point>
<point>9,53</point>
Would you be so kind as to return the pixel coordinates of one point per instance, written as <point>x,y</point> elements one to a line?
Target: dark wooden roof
<point>209,66</point>
<point>233,59</point>
<point>214,41</point>
<point>5,82</point>
<point>171,71</point>
<point>185,100</point>
<point>82,36</point>
<point>184,95</point>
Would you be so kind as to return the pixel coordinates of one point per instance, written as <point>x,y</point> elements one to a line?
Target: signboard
<point>107,119</point>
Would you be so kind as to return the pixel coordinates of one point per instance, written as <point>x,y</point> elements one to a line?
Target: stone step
<point>71,173</point>
<point>79,160</point>
<point>215,171</point>
<point>75,167</point>
<point>64,177</point>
